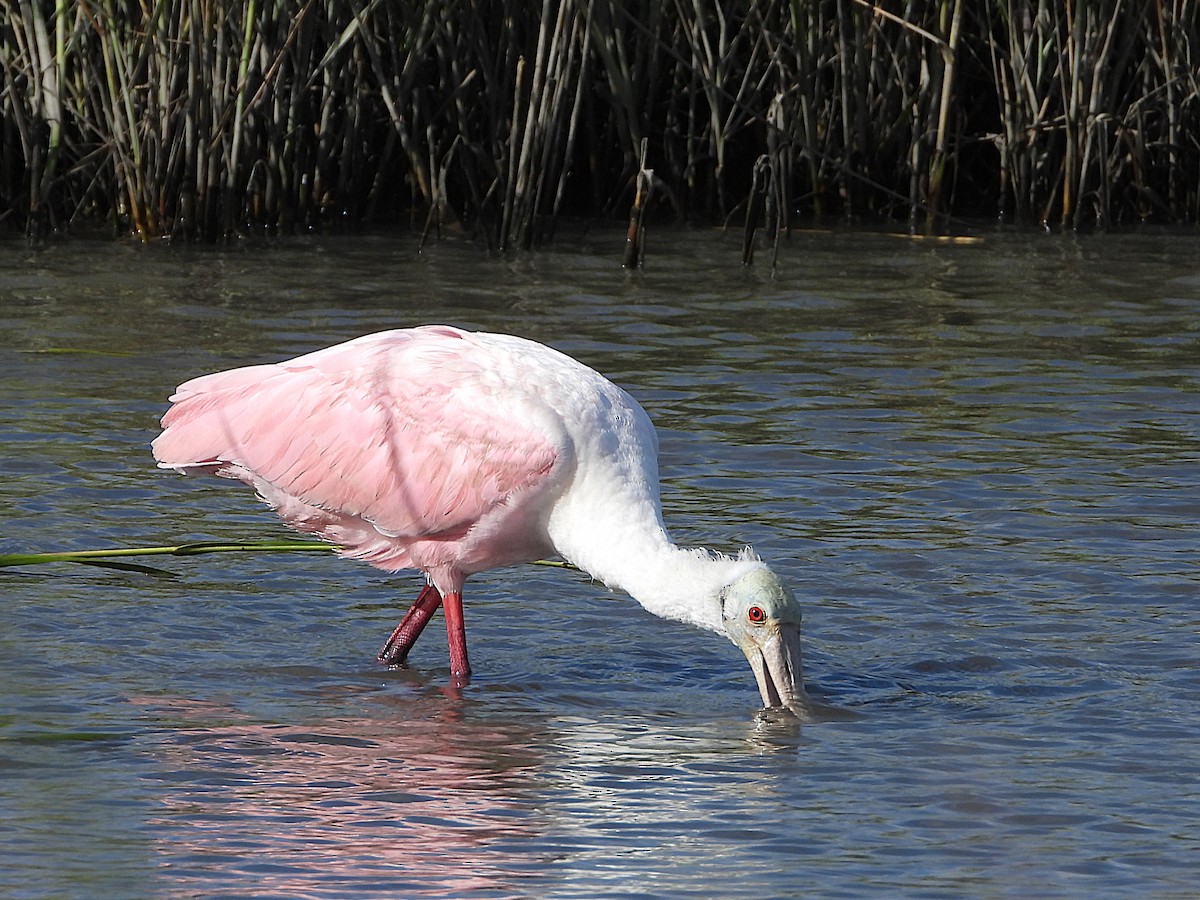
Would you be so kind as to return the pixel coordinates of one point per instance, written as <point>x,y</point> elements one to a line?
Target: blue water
<point>976,464</point>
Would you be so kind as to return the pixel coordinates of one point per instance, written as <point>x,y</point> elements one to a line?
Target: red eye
<point>756,614</point>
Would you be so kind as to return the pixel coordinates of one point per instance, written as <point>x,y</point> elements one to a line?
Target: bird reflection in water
<point>418,802</point>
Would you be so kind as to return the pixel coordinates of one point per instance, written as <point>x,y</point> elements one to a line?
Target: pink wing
<point>375,444</point>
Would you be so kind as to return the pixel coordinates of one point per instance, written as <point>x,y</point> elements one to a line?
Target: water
<point>976,465</point>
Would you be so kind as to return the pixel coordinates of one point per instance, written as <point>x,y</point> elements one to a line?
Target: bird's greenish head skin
<point>763,618</point>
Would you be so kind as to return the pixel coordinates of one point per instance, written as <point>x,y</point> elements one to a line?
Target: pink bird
<point>454,452</point>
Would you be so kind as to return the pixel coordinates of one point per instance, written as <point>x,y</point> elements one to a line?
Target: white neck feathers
<point>636,555</point>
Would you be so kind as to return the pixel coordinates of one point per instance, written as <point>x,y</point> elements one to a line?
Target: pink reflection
<point>417,801</point>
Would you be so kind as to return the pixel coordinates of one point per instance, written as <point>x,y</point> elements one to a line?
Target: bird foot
<point>392,656</point>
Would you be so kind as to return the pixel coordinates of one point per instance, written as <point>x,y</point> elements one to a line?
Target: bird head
<point>762,617</point>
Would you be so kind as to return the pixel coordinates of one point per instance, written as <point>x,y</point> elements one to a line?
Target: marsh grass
<point>199,119</point>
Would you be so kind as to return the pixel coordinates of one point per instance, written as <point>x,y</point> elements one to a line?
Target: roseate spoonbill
<point>453,452</point>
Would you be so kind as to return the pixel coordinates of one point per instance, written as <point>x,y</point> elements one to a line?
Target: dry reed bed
<point>204,119</point>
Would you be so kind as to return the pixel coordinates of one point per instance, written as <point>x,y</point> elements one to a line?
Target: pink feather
<point>402,447</point>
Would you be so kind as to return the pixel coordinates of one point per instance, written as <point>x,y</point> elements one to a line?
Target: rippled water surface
<point>977,465</point>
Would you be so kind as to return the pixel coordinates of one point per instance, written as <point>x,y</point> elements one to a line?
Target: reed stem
<point>209,119</point>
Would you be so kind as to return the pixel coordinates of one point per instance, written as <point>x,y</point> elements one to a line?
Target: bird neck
<point>640,559</point>
<point>679,583</point>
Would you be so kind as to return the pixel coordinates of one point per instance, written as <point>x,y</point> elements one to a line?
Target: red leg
<point>456,636</point>
<point>395,651</point>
